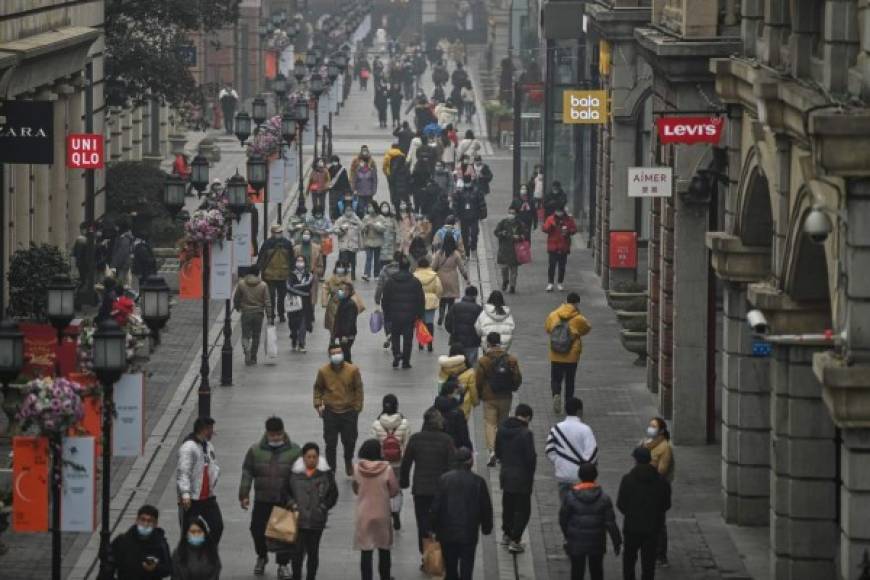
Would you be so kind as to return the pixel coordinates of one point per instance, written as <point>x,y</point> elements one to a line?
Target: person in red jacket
<point>559,228</point>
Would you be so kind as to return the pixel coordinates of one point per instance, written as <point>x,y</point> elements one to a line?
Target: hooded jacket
<point>385,274</point>
<point>252,295</point>
<point>373,228</point>
<point>374,484</point>
<point>403,300</point>
<point>391,153</point>
<point>557,240</point>
<point>585,516</point>
<point>313,495</point>
<point>455,424</point>
<point>491,321</point>
<point>644,497</point>
<point>276,257</point>
<point>128,552</point>
<point>570,444</point>
<point>455,366</point>
<point>578,326</point>
<point>462,507</point>
<point>430,453</point>
<point>396,424</point>
<point>461,322</point>
<point>193,456</point>
<point>432,288</point>
<point>515,450</point>
<point>268,469</point>
<point>484,369</point>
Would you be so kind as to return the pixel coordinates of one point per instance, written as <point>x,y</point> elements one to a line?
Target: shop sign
<point>650,181</point>
<point>623,250</point>
<point>690,130</point>
<point>27,132</point>
<point>221,283</point>
<point>85,151</point>
<point>584,107</point>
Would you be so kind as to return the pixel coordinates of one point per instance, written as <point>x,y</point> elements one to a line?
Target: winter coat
<point>268,468</point>
<point>585,516</point>
<point>128,552</point>
<point>391,239</point>
<point>252,295</point>
<point>454,366</point>
<point>578,326</point>
<point>430,453</point>
<point>374,485</point>
<point>199,565</point>
<point>318,180</point>
<point>389,156</point>
<point>470,204</point>
<point>399,176</point>
<point>644,497</point>
<point>275,259</point>
<point>448,269</point>
<point>455,424</point>
<point>313,495</point>
<point>461,320</point>
<point>570,444</point>
<point>329,300</point>
<point>373,229</point>
<point>320,228</point>
<point>556,199</point>
<point>339,390</point>
<point>491,321</point>
<point>364,177</point>
<point>482,178</point>
<point>385,274</point>
<point>303,284</point>
<point>403,137</point>
<point>515,449</point>
<point>193,455</point>
<point>484,370</point>
<point>468,147</point>
<point>662,456</point>
<point>557,240</point>
<point>431,286</point>
<point>462,507</point>
<point>396,424</point>
<point>339,181</point>
<point>344,321</point>
<point>311,251</point>
<point>122,251</point>
<point>348,229</point>
<point>406,231</point>
<point>509,232</point>
<point>403,300</point>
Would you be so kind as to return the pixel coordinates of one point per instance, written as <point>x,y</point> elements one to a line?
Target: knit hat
<point>641,455</point>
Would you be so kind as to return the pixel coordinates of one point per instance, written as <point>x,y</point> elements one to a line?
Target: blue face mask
<point>195,540</point>
<point>144,531</point>
<point>340,294</point>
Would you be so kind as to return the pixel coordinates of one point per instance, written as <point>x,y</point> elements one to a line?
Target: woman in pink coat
<point>374,483</point>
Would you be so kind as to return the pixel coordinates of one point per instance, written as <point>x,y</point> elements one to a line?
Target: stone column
<point>126,124</point>
<point>854,498</point>
<point>43,180</point>
<point>666,311</point>
<point>113,125</point>
<point>164,131</point>
<point>654,301</point>
<point>136,134</point>
<point>59,194</point>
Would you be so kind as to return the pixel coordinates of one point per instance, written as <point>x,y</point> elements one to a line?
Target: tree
<point>30,272</point>
<point>134,193</point>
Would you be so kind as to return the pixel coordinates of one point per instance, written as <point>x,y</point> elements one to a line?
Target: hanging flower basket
<point>51,406</point>
<point>266,142</point>
<point>205,226</point>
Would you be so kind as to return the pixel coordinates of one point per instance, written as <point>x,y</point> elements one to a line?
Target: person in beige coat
<point>449,264</point>
<point>432,290</point>
<point>658,441</point>
<point>374,484</point>
<point>391,423</point>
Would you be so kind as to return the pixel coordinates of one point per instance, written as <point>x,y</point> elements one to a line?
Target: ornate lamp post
<point>288,134</point>
<point>332,74</point>
<point>316,86</point>
<point>154,300</point>
<point>299,71</point>
<point>173,194</point>
<point>279,86</point>
<point>258,177</point>
<point>258,110</point>
<point>11,358</point>
<point>237,194</point>
<point>199,173</point>
<point>243,126</point>
<point>300,113</point>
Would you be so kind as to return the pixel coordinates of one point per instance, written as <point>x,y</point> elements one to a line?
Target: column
<point>126,122</point>
<point>113,126</point>
<point>20,214</point>
<point>854,500</point>
<point>136,133</point>
<point>654,298</point>
<point>43,194</point>
<point>59,210</point>
<point>666,311</point>
<point>164,130</point>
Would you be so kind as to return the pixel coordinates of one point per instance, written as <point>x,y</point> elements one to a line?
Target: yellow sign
<point>584,107</point>
<point>604,58</point>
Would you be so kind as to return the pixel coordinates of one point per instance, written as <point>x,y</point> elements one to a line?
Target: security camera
<point>757,321</point>
<point>818,226</point>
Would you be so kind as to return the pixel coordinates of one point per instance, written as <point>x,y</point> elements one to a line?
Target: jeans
<point>458,560</point>
<point>367,560</point>
<point>494,412</point>
<point>335,425</point>
<point>443,307</point>
<point>373,259</point>
<point>596,566</point>
<point>516,509</point>
<point>307,546</point>
<point>509,276</point>
<point>646,544</point>
<point>259,518</point>
<point>422,506</point>
<point>405,337</point>
<point>252,325</point>
<point>349,256</point>
<point>562,372</point>
<point>470,229</point>
<point>557,259</point>
<point>278,288</point>
<point>210,512</point>
<point>471,355</point>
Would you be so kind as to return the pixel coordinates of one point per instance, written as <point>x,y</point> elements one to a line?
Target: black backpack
<point>501,377</point>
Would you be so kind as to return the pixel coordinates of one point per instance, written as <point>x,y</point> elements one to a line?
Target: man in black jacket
<point>515,450</point>
<point>404,303</point>
<point>404,134</point>
<point>429,452</point>
<point>462,506</point>
<point>555,199</point>
<point>471,207</point>
<point>482,175</point>
<point>644,497</point>
<point>460,324</point>
<point>140,553</point>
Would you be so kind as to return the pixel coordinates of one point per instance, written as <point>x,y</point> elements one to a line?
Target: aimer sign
<point>85,151</point>
<point>584,107</point>
<point>650,181</point>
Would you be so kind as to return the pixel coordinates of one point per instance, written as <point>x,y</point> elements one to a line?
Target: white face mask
<point>306,238</point>
<point>300,265</point>
<point>336,358</point>
<point>339,271</point>
<point>652,432</point>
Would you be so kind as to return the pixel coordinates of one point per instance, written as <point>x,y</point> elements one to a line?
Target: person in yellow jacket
<point>455,365</point>
<point>432,291</point>
<point>566,326</point>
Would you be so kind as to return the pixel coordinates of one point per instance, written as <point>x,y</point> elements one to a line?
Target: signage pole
<point>106,499</point>
<point>87,294</point>
<point>227,349</point>
<point>204,386</point>
<point>56,442</point>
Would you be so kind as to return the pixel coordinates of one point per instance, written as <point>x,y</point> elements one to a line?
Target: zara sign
<point>27,132</point>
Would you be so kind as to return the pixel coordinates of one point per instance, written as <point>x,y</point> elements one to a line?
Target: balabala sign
<point>584,107</point>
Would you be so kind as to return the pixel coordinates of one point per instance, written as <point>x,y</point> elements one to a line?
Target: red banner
<point>190,279</point>
<point>623,250</point>
<point>41,349</point>
<point>30,484</point>
<point>690,130</point>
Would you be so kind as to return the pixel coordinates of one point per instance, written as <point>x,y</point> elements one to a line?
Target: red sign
<point>41,349</point>
<point>85,151</point>
<point>690,130</point>
<point>30,484</point>
<point>623,250</point>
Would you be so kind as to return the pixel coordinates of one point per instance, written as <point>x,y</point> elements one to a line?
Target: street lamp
<point>243,126</point>
<point>300,113</point>
<point>173,194</point>
<point>311,59</point>
<point>279,85</point>
<point>237,195</point>
<point>154,300</point>
<point>199,173</point>
<point>316,86</point>
<point>299,71</point>
<point>288,127</point>
<point>332,74</point>
<point>258,110</point>
<point>11,353</point>
<point>258,177</point>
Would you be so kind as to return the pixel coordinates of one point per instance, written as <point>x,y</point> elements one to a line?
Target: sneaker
<point>260,566</point>
<point>284,573</point>
<point>492,459</point>
<point>365,278</point>
<point>549,287</point>
<point>429,347</point>
<point>406,365</point>
<point>560,287</point>
<point>395,363</point>
<point>557,404</point>
<point>302,348</point>
<point>516,548</point>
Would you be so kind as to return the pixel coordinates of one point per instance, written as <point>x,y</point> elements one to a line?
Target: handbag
<point>293,303</point>
<point>523,250</point>
<point>282,525</point>
<point>326,245</point>
<point>424,337</point>
<point>376,321</point>
<point>433,559</point>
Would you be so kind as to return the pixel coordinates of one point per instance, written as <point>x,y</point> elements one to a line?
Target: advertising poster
<point>242,241</point>
<point>221,281</point>
<point>190,279</point>
<point>30,484</point>
<point>128,428</point>
<point>78,505</point>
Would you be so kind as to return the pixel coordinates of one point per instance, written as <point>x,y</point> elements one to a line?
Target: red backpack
<point>391,447</point>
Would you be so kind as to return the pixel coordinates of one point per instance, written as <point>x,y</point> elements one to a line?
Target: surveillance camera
<point>757,321</point>
<point>817,226</point>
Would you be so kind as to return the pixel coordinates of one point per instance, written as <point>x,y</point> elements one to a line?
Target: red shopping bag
<point>523,249</point>
<point>326,245</point>
<point>424,337</point>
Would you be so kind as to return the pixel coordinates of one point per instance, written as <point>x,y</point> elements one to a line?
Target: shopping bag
<point>424,337</point>
<point>376,321</point>
<point>293,303</point>
<point>433,559</point>
<point>360,305</point>
<point>396,503</point>
<point>282,525</point>
<point>326,245</point>
<point>271,342</point>
<point>523,249</point>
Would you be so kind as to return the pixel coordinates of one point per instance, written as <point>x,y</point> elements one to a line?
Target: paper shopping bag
<point>282,525</point>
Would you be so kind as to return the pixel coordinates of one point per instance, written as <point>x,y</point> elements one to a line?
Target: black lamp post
<point>316,86</point>
<point>311,59</point>
<point>110,362</point>
<point>173,194</point>
<point>288,134</point>
<point>154,301</point>
<point>199,173</point>
<point>243,126</point>
<point>258,110</point>
<point>258,177</point>
<point>332,73</point>
<point>299,71</point>
<point>300,113</point>
<point>237,194</point>
<point>279,86</point>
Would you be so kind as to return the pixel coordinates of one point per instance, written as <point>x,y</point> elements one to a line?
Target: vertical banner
<point>78,502</point>
<point>190,279</point>
<point>276,180</point>
<point>30,484</point>
<point>242,241</point>
<point>258,207</point>
<point>291,162</point>
<point>308,134</point>
<point>128,427</point>
<point>221,284</point>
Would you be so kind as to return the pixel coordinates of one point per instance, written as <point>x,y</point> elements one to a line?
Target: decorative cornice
<point>734,262</point>
<point>845,390</point>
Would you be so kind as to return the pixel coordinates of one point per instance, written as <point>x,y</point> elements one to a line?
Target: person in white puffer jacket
<point>391,422</point>
<point>196,477</point>
<point>496,317</point>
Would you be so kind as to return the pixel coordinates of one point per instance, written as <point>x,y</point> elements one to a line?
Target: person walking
<point>456,366</point>
<point>140,553</point>
<point>364,177</point>
<point>471,208</point>
<point>267,466</point>
<point>382,102</point>
<point>448,402</point>
<point>559,227</point>
<point>429,453</point>
<point>481,174</point>
<point>407,223</point>
<point>196,477</point>
<point>348,230</point>
<point>338,400</point>
<point>448,264</point>
<point>404,303</point>
<point>374,227</point>
<point>374,484</point>
<point>394,95</point>
<point>570,444</point>
<point>555,199</point>
<point>658,441</point>
<point>585,516</point>
<point>121,258</point>
<point>515,452</point>
<point>526,210</point>
<point>314,493</point>
<point>497,376</point>
<point>301,286</point>
<point>496,317</point>
<point>460,323</point>
<point>251,298</point>
<point>386,272</point>
<point>565,327</point>
<point>391,428</point>
<point>432,291</point>
<point>318,185</point>
<point>229,100</point>
<point>509,232</point>
<point>391,237</point>
<point>469,145</point>
<point>643,499</point>
<point>396,170</point>
<point>339,185</point>
<point>461,510</point>
<point>342,331</point>
<point>275,261</point>
<point>196,556</point>
<point>144,263</point>
<point>404,135</point>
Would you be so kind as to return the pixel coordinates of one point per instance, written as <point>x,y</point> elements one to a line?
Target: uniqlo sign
<point>85,151</point>
<point>690,130</point>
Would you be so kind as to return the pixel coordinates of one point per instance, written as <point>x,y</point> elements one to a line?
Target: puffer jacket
<point>515,450</point>
<point>432,287</point>
<point>586,515</point>
<point>313,495</point>
<point>491,321</point>
<point>391,239</point>
<point>268,469</point>
<point>578,326</point>
<point>460,322</point>
<point>397,424</point>
<point>364,177</point>
<point>193,455</point>
<point>484,369</point>
<point>559,241</point>
<point>373,229</point>
<point>430,453</point>
<point>644,497</point>
<point>388,159</point>
<point>462,507</point>
<point>455,424</point>
<point>403,300</point>
<point>455,366</point>
<point>348,229</point>
<point>276,257</point>
<point>252,295</point>
<point>385,274</point>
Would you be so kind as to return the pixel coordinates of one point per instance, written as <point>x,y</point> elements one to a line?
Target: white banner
<point>291,161</point>
<point>221,282</point>
<point>128,427</point>
<point>78,503</point>
<point>650,181</point>
<point>242,242</point>
<point>276,180</point>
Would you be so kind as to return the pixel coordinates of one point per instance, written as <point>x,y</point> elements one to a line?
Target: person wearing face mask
<point>348,230</point>
<point>274,263</point>
<point>449,404</point>
<point>251,298</point>
<point>471,207</point>
<point>658,441</point>
<point>468,146</point>
<point>374,227</point>
<point>526,210</point>
<point>448,147</point>
<point>267,467</point>
<point>555,199</point>
<point>301,283</point>
<point>509,232</point>
<point>140,553</point>
<point>314,492</point>
<point>391,237</point>
<point>515,452</point>
<point>364,177</point>
<point>196,556</point>
<point>482,175</point>
<point>318,183</point>
<point>196,477</point>
<point>536,188</point>
<point>342,329</point>
<point>559,227</point>
<point>404,302</point>
<point>407,222</point>
<point>497,376</point>
<point>443,178</point>
<point>339,185</point>
<point>392,430</point>
<point>338,400</point>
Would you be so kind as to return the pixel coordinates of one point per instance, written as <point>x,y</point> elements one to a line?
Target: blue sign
<point>761,348</point>
<point>187,55</point>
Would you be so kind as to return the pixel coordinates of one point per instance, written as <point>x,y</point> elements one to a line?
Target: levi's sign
<point>85,151</point>
<point>650,181</point>
<point>584,107</point>
<point>690,130</point>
